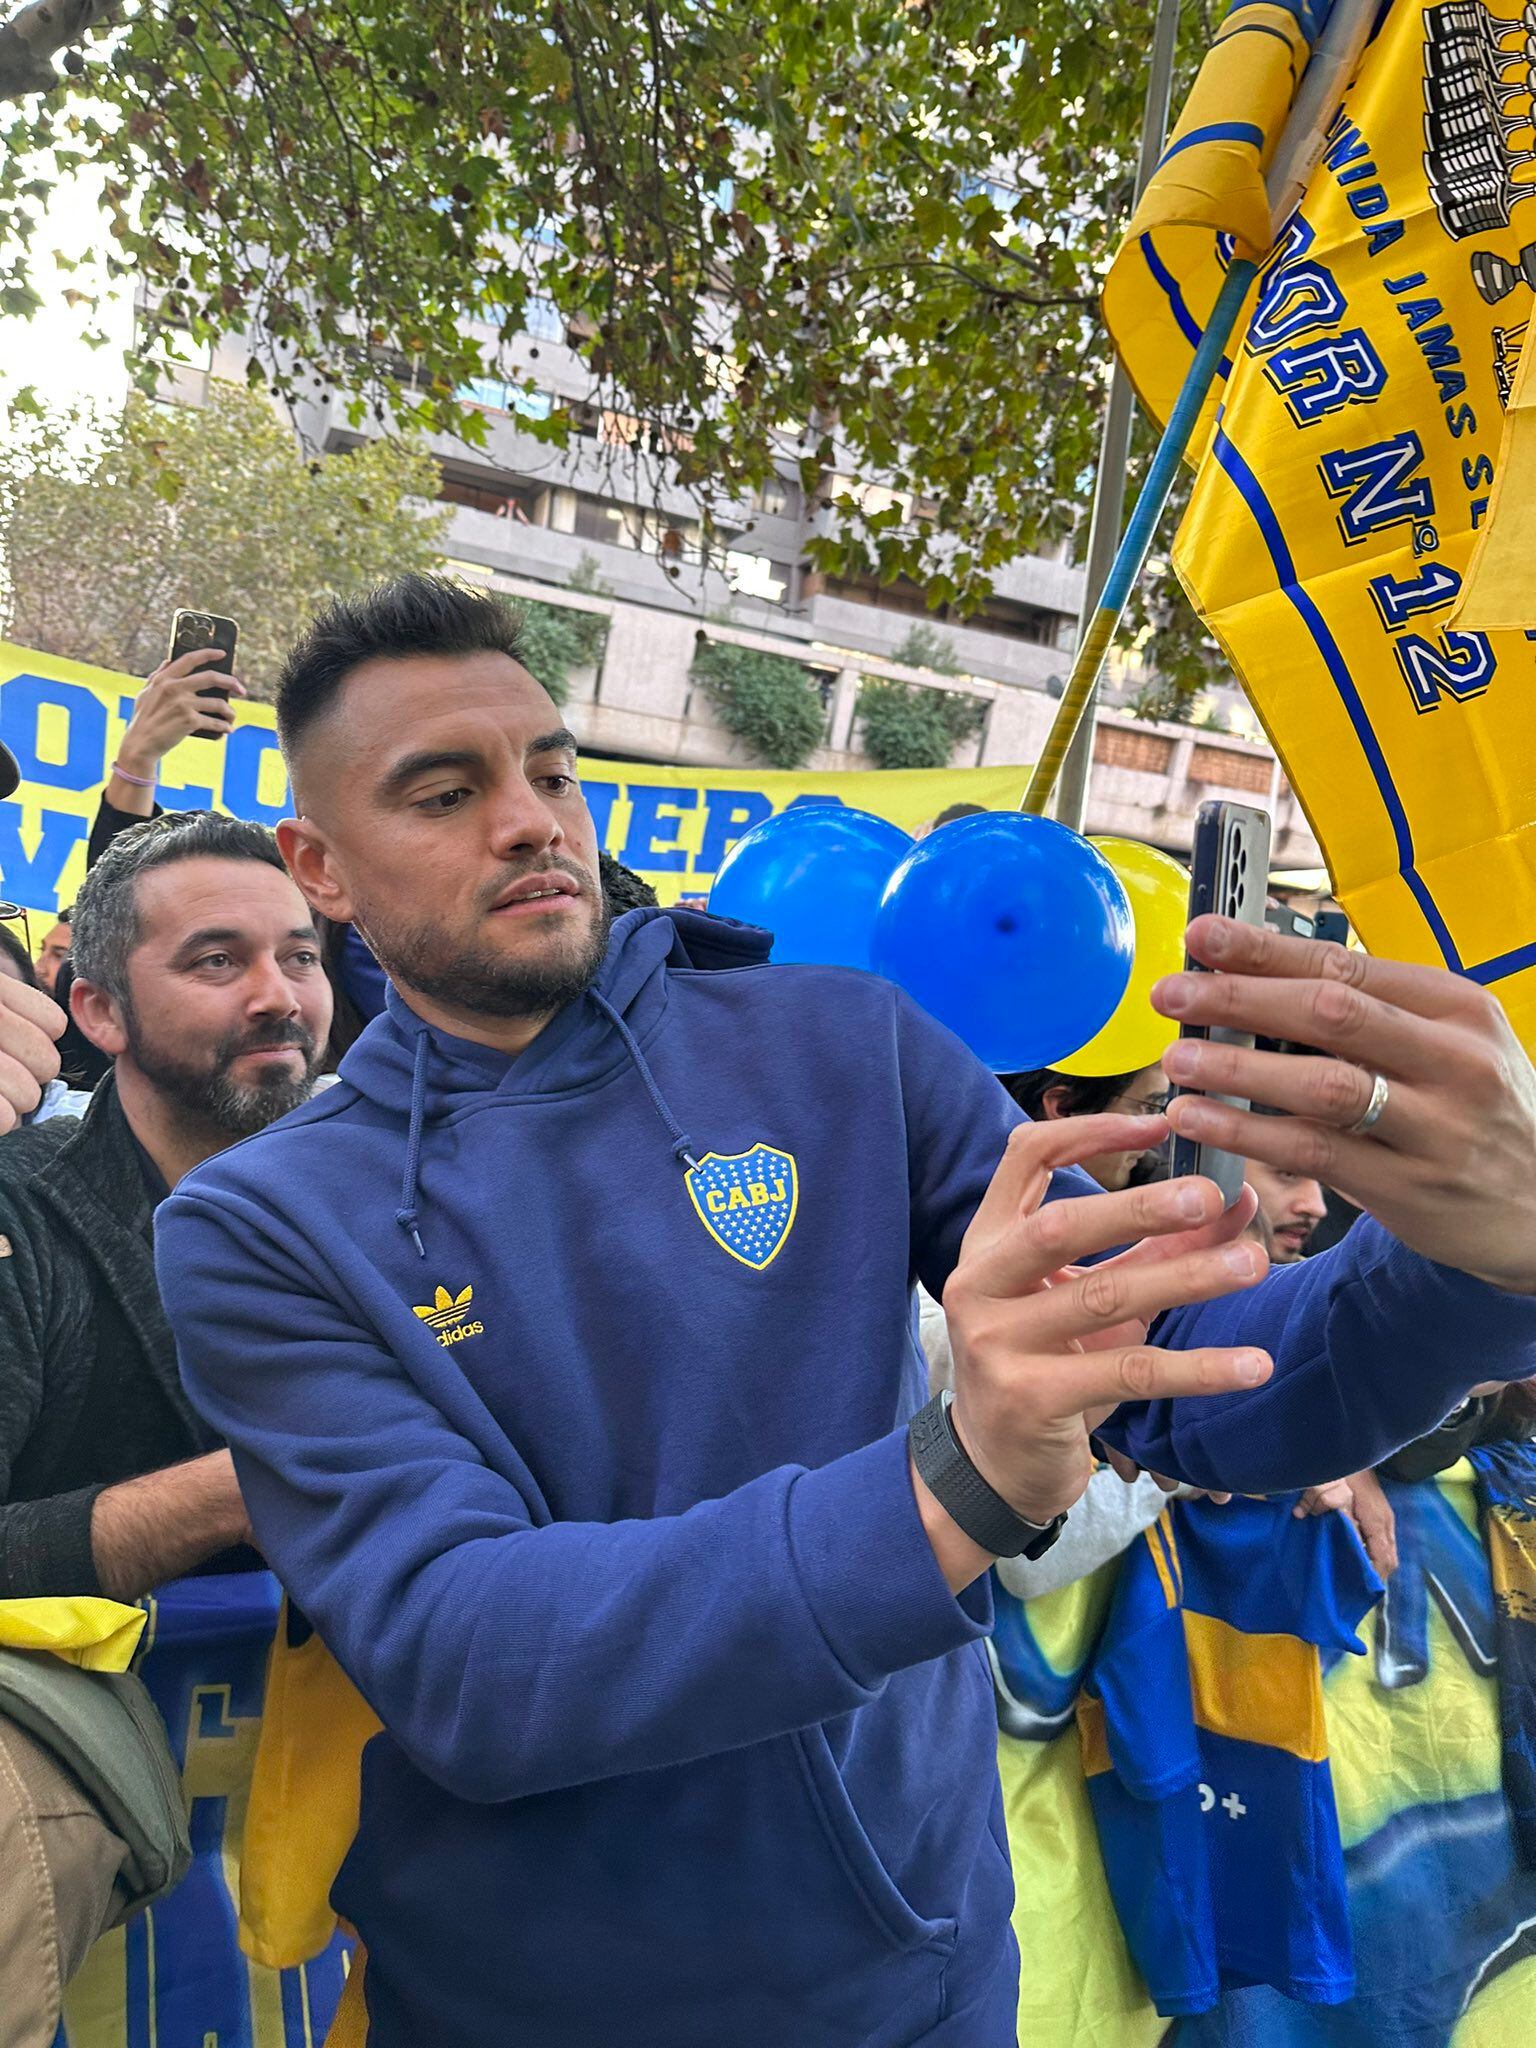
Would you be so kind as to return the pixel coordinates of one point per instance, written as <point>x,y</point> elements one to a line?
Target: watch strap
<point>974,1506</point>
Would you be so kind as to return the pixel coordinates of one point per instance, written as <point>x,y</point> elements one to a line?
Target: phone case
<point>1229,874</point>
<point>191,630</point>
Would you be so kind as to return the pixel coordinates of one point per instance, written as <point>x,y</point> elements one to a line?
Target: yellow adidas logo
<point>447,1312</point>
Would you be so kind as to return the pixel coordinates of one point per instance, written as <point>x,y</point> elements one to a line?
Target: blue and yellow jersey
<point>1205,1750</point>
<point>174,1976</point>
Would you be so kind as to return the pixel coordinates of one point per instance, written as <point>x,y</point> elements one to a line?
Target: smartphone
<point>192,630</point>
<point>1229,874</point>
<point>1332,925</point>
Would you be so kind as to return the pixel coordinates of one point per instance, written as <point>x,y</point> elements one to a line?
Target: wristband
<point>977,1509</point>
<point>138,781</point>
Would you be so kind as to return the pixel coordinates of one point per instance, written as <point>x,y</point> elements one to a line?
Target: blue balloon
<point>813,876</point>
<point>1013,931</point>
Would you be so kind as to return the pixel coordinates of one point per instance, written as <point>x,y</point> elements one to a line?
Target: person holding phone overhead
<point>176,703</point>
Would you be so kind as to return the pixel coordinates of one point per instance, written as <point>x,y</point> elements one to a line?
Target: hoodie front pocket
<point>723,1904</point>
<point>871,1882</point>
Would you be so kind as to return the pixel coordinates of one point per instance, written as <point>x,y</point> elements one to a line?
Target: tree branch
<point>35,34</point>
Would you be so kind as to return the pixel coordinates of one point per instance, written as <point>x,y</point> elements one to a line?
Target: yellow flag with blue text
<point>1347,464</point>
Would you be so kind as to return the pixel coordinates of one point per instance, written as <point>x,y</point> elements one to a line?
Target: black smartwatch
<point>947,1472</point>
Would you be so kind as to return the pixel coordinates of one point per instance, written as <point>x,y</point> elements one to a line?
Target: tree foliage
<point>109,523</point>
<point>766,700</point>
<point>861,236</point>
<point>925,647</point>
<point>557,639</point>
<point>907,726</point>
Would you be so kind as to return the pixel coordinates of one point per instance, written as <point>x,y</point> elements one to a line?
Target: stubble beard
<point>481,981</point>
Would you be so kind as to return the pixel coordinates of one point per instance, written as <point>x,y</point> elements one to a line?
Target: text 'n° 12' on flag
<point>1348,465</point>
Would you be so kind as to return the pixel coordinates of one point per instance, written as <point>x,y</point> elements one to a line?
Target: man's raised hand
<point>1044,1351</point>
<point>170,708</point>
<point>1449,1167</point>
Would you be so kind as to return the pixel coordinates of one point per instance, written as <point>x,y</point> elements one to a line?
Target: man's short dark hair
<point>1087,1094</point>
<point>623,889</point>
<point>961,810</point>
<point>407,615</point>
<point>105,922</point>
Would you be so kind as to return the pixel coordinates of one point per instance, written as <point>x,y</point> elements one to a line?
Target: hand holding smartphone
<point>1229,874</point>
<point>192,631</point>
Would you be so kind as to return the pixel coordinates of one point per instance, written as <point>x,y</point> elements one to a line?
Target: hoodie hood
<point>408,1066</point>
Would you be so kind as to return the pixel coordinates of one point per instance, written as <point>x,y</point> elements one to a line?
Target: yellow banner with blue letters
<point>1346,466</point>
<point>673,826</point>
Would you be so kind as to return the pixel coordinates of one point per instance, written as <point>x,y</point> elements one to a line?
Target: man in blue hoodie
<point>566,1355</point>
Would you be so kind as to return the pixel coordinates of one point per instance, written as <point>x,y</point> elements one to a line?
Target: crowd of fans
<point>206,1000</point>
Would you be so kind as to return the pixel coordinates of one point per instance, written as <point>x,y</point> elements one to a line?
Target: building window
<point>503,501</point>
<point>390,365</point>
<point>626,526</point>
<point>541,319</point>
<point>487,391</point>
<point>497,394</point>
<point>597,521</point>
<point>776,499</point>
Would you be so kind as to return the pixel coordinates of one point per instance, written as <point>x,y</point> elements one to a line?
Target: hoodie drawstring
<point>405,1215</point>
<point>682,1144</point>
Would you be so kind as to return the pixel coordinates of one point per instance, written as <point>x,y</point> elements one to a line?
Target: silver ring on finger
<point>1371,1115</point>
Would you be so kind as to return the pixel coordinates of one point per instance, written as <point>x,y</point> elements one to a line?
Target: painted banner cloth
<point>63,722</point>
<point>174,1976</point>
<point>1348,461</point>
<point>1441,1908</point>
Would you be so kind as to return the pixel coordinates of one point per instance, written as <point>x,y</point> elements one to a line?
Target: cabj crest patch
<point>747,1201</point>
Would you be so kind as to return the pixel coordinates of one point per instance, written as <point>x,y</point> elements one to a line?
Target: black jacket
<point>89,1392</point>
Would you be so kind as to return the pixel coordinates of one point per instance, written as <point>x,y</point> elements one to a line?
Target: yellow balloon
<point>1136,1036</point>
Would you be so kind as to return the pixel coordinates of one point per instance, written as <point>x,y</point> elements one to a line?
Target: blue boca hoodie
<point>568,1398</point>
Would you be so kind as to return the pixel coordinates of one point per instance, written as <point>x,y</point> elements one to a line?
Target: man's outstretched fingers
<point>1117,1293</point>
<point>1142,1372</point>
<point>1014,1259</point>
<point>1224,1226</point>
<point>1035,1151</point>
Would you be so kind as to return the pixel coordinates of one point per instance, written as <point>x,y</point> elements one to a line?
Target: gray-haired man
<point>198,970</point>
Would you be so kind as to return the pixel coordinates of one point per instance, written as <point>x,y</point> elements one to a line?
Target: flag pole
<point>1119,412</point>
<point>1296,156</point>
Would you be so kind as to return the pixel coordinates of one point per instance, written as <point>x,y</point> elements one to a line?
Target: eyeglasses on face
<point>12,913</point>
<point>1145,1105</point>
